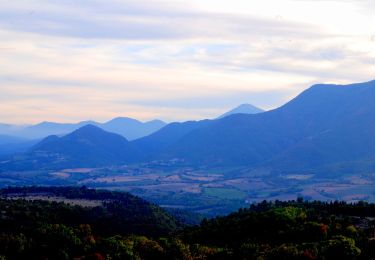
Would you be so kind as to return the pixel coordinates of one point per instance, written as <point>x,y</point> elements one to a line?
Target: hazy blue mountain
<point>130,128</point>
<point>44,129</point>
<point>89,146</point>
<point>5,139</point>
<point>325,128</point>
<point>127,127</point>
<point>4,128</point>
<point>243,109</point>
<point>10,130</point>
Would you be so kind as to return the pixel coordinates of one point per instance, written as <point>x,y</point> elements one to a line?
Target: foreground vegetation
<point>126,227</point>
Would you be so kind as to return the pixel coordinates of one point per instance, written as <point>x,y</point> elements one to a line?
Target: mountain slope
<point>112,213</point>
<point>157,142</point>
<point>348,133</point>
<point>323,121</point>
<point>243,109</point>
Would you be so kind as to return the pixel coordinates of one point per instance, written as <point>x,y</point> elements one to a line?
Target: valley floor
<point>207,191</point>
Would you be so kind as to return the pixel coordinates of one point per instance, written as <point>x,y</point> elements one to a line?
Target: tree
<point>341,247</point>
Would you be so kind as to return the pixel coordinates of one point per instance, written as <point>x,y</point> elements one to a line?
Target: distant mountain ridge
<point>127,127</point>
<point>242,109</point>
<point>130,128</point>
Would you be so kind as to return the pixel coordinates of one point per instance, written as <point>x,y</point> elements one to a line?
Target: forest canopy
<point>127,227</point>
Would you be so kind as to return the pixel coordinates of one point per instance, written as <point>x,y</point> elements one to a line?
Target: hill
<point>62,222</point>
<point>88,146</point>
<point>117,212</point>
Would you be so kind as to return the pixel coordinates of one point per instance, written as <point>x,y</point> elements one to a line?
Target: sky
<point>177,60</point>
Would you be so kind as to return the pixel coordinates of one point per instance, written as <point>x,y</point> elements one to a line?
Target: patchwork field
<point>46,197</point>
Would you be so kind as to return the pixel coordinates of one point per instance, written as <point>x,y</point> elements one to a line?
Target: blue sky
<point>174,60</point>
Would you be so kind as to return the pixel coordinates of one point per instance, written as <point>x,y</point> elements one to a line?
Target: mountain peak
<point>88,128</point>
<point>243,109</point>
<point>91,131</point>
<point>123,120</point>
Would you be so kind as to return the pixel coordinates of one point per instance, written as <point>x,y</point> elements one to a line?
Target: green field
<point>225,193</point>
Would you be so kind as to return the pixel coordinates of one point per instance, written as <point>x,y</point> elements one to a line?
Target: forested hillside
<point>35,223</point>
<point>292,230</point>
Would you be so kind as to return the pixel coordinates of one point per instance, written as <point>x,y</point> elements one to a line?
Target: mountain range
<point>18,138</point>
<point>325,128</point>
<point>127,127</point>
<point>130,128</point>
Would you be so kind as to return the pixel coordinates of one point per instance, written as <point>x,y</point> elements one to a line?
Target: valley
<point>201,190</point>
<point>187,130</point>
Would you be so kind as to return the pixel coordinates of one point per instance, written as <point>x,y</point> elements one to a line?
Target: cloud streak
<point>140,20</point>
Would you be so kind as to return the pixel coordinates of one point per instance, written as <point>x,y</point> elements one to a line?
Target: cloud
<point>76,60</point>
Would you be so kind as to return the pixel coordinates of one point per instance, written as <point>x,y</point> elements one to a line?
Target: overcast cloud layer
<point>174,60</point>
